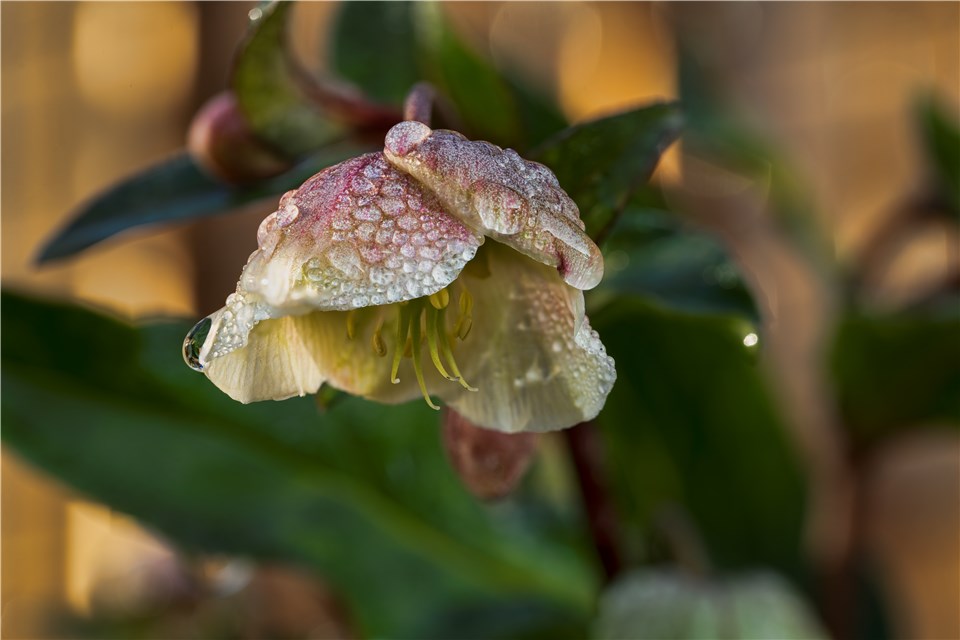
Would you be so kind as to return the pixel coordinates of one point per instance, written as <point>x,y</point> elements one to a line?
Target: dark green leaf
<point>539,117</point>
<point>602,163</point>
<point>374,46</point>
<point>362,493</point>
<point>690,422</point>
<point>896,372</point>
<point>481,96</point>
<point>270,91</point>
<point>174,191</point>
<point>508,619</point>
<point>656,254</point>
<point>941,140</point>
<point>667,605</point>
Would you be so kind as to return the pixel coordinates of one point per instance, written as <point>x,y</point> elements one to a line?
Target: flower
<point>374,277</point>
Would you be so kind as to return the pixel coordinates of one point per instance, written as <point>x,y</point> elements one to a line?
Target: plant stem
<point>586,452</point>
<point>418,105</point>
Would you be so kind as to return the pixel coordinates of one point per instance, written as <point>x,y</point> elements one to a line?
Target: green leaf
<point>656,254</point>
<point>896,372</point>
<point>362,494</point>
<point>174,191</point>
<point>480,95</point>
<point>690,423</point>
<point>386,47</point>
<point>602,163</point>
<point>374,45</point>
<point>940,133</point>
<point>269,87</point>
<point>667,605</point>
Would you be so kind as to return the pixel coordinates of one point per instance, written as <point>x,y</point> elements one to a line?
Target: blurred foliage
<point>174,191</point>
<point>898,371</point>
<point>362,494</point>
<point>940,136</point>
<point>657,255</point>
<point>373,47</point>
<point>719,132</point>
<point>272,92</point>
<point>656,604</point>
<point>603,163</point>
<point>691,422</point>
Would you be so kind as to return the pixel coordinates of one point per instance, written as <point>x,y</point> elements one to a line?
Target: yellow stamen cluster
<point>419,320</point>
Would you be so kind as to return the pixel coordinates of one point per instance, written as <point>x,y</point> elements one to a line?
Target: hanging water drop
<point>193,343</point>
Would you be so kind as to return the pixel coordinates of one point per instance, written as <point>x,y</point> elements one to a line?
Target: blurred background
<point>94,91</point>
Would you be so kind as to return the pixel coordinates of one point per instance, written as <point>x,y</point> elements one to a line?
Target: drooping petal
<point>358,234</point>
<point>494,190</point>
<point>276,363</point>
<point>293,355</point>
<point>536,362</point>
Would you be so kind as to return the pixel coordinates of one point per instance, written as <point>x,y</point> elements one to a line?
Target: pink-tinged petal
<point>358,234</point>
<point>532,354</point>
<point>518,202</point>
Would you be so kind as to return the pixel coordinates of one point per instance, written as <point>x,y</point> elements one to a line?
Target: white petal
<point>293,355</point>
<point>531,353</point>
<point>518,202</point>
<point>276,363</point>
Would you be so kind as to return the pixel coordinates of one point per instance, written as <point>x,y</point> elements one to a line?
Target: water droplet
<point>392,206</point>
<point>193,343</point>
<point>407,222</point>
<point>370,213</point>
<point>287,215</point>
<point>429,252</point>
<point>750,340</point>
<point>361,186</point>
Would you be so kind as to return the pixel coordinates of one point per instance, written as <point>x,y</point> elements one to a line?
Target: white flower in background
<point>374,277</point>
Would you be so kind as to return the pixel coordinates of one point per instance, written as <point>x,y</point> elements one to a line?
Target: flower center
<point>418,321</point>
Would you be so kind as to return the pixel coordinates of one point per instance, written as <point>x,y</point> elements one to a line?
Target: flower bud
<point>221,142</point>
<point>490,463</point>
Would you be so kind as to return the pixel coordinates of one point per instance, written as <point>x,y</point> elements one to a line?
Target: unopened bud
<point>490,463</point>
<point>221,142</point>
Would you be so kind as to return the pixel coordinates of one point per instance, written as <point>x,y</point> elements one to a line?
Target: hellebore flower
<point>374,277</point>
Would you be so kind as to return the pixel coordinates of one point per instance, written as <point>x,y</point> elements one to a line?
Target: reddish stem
<point>419,103</point>
<point>586,451</point>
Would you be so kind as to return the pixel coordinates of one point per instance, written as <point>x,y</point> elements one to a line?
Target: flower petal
<point>532,354</point>
<point>515,201</point>
<point>358,234</point>
<point>293,355</point>
<point>275,363</point>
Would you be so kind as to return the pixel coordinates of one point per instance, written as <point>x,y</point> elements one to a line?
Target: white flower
<point>374,277</point>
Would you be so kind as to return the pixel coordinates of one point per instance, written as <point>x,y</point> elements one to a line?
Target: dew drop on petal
<point>287,215</point>
<point>193,343</point>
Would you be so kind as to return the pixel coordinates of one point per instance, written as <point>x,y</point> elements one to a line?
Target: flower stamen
<point>379,347</point>
<point>464,320</point>
<point>447,351</point>
<point>351,324</point>
<point>435,323</point>
<point>416,339</point>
